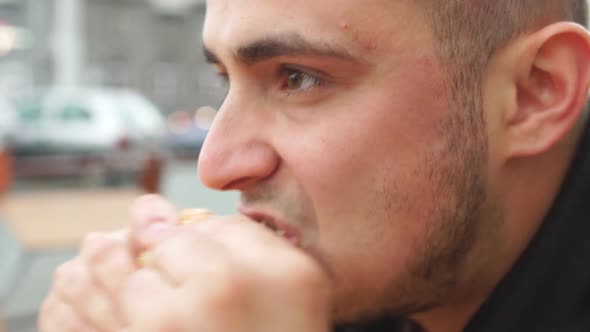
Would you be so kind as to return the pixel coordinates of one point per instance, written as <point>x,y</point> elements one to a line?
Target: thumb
<point>152,215</point>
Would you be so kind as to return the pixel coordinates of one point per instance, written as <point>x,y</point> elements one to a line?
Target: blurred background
<point>100,101</point>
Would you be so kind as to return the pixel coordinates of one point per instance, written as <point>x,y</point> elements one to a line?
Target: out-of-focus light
<point>13,38</point>
<point>179,122</point>
<point>204,117</point>
<point>8,36</point>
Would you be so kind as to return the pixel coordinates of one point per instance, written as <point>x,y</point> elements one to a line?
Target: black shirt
<point>548,289</point>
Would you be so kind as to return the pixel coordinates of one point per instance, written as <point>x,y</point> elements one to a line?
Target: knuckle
<point>115,264</point>
<point>94,246</point>
<point>64,272</point>
<point>60,317</point>
<point>71,280</point>
<point>57,316</point>
<point>100,310</point>
<point>97,246</point>
<point>68,320</point>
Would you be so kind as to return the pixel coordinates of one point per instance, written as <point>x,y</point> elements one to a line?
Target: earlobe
<point>552,87</point>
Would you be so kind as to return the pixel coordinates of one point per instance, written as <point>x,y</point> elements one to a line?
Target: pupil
<point>294,80</point>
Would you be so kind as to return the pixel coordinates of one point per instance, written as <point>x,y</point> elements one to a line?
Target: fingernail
<point>159,217</point>
<point>158,227</point>
<point>155,231</point>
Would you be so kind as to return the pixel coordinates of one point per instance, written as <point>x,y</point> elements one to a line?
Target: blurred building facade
<point>137,44</point>
<point>124,43</point>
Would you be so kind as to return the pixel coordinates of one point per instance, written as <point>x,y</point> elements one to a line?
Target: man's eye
<point>300,81</point>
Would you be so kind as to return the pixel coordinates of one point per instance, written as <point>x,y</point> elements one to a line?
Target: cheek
<point>366,168</point>
<point>374,142</point>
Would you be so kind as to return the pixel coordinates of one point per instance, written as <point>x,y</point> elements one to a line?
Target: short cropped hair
<point>470,31</point>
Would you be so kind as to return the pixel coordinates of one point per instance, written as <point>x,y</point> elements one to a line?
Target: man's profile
<point>421,166</point>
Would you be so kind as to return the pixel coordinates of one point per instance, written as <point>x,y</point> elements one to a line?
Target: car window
<point>29,111</point>
<point>72,113</point>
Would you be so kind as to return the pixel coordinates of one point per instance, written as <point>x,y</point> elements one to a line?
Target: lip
<point>271,221</point>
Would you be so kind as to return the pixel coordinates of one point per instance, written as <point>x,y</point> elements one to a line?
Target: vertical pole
<point>68,43</point>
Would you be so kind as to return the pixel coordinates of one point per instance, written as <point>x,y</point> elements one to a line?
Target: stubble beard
<point>437,274</point>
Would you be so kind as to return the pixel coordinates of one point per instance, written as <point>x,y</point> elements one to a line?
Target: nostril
<point>239,184</point>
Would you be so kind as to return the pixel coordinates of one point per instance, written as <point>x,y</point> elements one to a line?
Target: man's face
<point>337,122</point>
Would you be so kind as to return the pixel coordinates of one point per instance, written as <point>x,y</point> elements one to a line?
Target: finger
<point>100,311</point>
<point>186,254</point>
<point>243,236</point>
<point>287,270</point>
<point>148,211</point>
<point>144,238</point>
<point>109,259</point>
<point>252,243</point>
<point>152,208</point>
<point>57,316</point>
<point>113,269</point>
<point>94,244</point>
<point>150,303</point>
<point>75,287</point>
<point>152,234</point>
<point>72,281</point>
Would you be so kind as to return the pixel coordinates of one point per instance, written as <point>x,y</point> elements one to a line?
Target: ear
<point>552,81</point>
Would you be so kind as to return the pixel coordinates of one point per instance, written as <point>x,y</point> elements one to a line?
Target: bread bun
<point>190,216</point>
<point>186,217</point>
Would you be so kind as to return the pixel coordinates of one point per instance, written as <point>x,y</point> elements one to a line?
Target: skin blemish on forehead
<point>367,46</point>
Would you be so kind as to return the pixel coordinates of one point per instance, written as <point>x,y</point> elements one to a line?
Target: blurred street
<point>40,229</point>
<point>92,115</point>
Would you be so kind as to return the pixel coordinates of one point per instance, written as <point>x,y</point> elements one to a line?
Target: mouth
<point>275,225</point>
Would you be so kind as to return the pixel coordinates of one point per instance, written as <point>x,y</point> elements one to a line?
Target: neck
<point>525,201</point>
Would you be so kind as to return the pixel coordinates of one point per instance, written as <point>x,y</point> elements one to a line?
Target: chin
<point>400,301</point>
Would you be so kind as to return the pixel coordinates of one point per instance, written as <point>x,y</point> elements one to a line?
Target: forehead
<point>368,27</point>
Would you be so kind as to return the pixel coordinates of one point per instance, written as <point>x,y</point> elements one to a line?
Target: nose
<point>236,154</point>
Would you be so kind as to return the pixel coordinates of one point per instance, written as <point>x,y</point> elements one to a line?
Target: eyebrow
<point>281,45</point>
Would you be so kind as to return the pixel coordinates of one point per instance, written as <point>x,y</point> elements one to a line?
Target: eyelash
<point>284,75</point>
<point>306,78</point>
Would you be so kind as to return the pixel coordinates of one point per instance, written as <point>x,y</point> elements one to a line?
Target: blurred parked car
<point>187,130</point>
<point>97,131</point>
